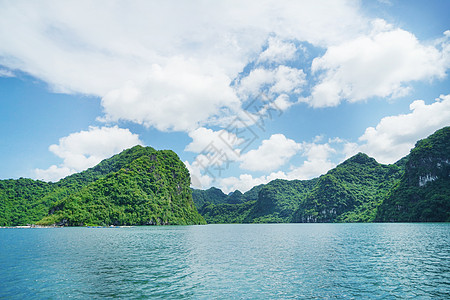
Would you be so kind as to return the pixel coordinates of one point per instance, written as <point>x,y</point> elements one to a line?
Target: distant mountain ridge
<point>423,193</point>
<point>143,186</point>
<point>139,186</point>
<point>414,189</point>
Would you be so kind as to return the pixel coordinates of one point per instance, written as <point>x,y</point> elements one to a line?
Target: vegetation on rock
<point>414,189</point>
<point>423,193</point>
<point>140,186</point>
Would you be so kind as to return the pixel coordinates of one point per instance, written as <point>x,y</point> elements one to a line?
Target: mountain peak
<point>139,186</point>
<point>361,158</point>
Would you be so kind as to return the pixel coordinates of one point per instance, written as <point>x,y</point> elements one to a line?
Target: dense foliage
<point>416,188</point>
<point>351,192</point>
<point>279,200</point>
<point>138,186</point>
<point>227,213</point>
<point>276,202</point>
<point>145,186</point>
<point>423,194</point>
<point>214,195</point>
<point>210,196</point>
<point>217,207</point>
<point>23,201</point>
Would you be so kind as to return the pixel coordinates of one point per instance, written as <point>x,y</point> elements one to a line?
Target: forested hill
<point>423,193</point>
<point>216,196</point>
<point>143,186</point>
<point>351,192</point>
<point>136,187</point>
<point>416,188</point>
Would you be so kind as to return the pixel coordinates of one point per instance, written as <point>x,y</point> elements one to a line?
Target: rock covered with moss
<point>423,194</point>
<point>140,186</point>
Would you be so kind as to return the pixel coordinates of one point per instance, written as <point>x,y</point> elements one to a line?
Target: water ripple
<point>285,261</point>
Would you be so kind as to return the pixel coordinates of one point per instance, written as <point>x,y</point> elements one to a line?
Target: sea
<point>234,261</point>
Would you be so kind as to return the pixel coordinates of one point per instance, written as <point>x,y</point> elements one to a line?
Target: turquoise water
<point>293,261</point>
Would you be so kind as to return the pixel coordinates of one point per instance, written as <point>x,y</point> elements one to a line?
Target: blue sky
<point>243,92</point>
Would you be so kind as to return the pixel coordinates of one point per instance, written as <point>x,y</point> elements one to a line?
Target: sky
<point>243,91</point>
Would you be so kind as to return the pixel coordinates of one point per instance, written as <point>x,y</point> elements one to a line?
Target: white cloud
<point>208,141</point>
<point>278,51</point>
<point>6,73</point>
<point>389,141</point>
<point>282,80</point>
<point>252,84</point>
<point>85,149</point>
<point>153,63</point>
<point>180,96</point>
<point>288,80</point>
<point>245,182</point>
<point>270,155</point>
<point>317,161</point>
<point>199,180</point>
<point>216,151</point>
<point>53,173</point>
<point>394,136</point>
<point>217,148</point>
<point>350,149</point>
<point>281,103</point>
<point>380,64</point>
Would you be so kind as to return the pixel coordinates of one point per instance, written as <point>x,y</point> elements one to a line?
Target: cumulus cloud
<point>387,142</point>
<point>245,182</point>
<point>217,148</point>
<point>208,141</point>
<point>281,80</point>
<point>382,64</point>
<point>152,63</point>
<point>270,155</point>
<point>148,69</point>
<point>85,149</point>
<point>394,136</point>
<point>278,51</point>
<point>281,103</point>
<point>53,173</point>
<point>179,96</point>
<point>318,161</point>
<point>6,73</point>
<point>199,179</point>
<point>216,151</point>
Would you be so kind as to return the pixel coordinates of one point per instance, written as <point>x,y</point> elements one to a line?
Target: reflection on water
<point>224,261</point>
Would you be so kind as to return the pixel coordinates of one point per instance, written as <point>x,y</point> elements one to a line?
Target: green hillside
<point>143,186</point>
<point>210,196</point>
<point>214,195</point>
<point>138,186</point>
<point>423,193</point>
<point>351,192</point>
<point>414,189</point>
<point>23,201</point>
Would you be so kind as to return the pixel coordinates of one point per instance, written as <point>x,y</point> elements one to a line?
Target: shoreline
<point>55,226</point>
<point>30,226</point>
<point>129,226</point>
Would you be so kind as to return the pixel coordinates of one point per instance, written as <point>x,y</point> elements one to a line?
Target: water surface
<point>294,261</point>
